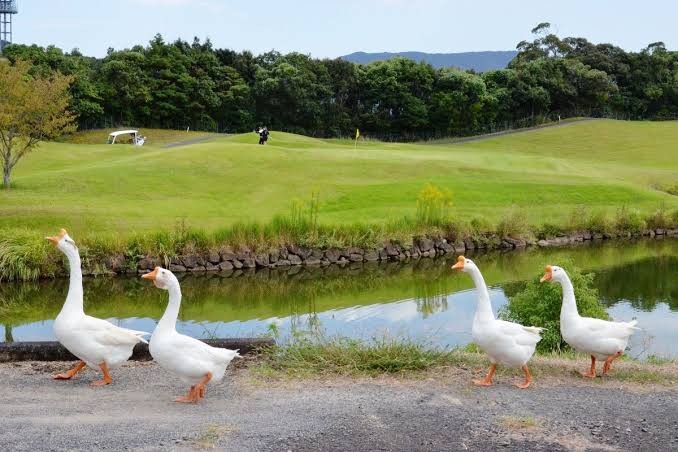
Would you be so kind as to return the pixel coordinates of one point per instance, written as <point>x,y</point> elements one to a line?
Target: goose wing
<point>522,335</point>
<point>106,333</point>
<point>608,329</point>
<point>199,350</point>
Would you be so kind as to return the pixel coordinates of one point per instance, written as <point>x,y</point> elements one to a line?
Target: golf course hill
<point>212,189</point>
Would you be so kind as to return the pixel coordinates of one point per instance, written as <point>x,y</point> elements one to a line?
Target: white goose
<point>97,343</point>
<point>191,359</point>
<point>505,342</point>
<point>599,338</point>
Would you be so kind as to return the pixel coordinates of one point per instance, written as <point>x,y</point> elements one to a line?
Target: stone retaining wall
<point>54,351</point>
<point>286,256</point>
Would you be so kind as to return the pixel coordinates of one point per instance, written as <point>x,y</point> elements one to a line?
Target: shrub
<point>578,219</point>
<point>660,219</point>
<point>628,220</point>
<point>598,222</point>
<point>433,205</point>
<point>538,304</point>
<point>513,224</point>
<point>548,230</point>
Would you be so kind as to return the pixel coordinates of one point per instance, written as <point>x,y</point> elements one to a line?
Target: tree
<point>32,109</point>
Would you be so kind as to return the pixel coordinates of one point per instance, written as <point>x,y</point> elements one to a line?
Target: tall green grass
<point>352,357</point>
<point>25,255</point>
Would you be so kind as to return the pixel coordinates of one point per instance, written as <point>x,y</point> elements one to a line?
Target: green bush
<point>538,304</point>
<point>660,219</point>
<point>513,224</point>
<point>578,219</point>
<point>598,222</point>
<point>628,220</point>
<point>549,230</point>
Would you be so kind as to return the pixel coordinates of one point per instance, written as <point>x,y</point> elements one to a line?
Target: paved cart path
<point>440,411</point>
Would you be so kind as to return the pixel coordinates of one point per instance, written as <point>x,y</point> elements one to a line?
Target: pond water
<point>425,300</point>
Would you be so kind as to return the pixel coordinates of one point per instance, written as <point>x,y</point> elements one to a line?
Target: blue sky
<point>330,28</point>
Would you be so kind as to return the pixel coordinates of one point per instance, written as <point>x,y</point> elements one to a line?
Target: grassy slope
<point>154,137</point>
<point>93,188</point>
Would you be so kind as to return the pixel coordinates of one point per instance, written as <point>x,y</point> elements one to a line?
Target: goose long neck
<point>483,306</point>
<point>169,318</point>
<point>569,307</point>
<point>74,299</point>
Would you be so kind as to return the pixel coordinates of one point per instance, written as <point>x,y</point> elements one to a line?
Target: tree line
<point>181,84</point>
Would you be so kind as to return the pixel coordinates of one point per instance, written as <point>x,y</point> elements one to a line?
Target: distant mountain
<point>479,61</point>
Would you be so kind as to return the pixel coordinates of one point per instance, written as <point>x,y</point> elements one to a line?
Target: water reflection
<point>644,283</point>
<point>424,300</point>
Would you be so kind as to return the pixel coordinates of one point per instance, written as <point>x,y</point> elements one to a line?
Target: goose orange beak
<point>547,275</point>
<point>57,238</point>
<point>152,275</point>
<point>460,263</point>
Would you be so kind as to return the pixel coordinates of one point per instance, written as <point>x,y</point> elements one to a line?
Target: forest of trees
<point>180,84</point>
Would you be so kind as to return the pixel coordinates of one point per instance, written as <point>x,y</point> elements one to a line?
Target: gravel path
<point>441,411</point>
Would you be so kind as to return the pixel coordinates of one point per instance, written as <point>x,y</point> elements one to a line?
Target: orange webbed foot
<point>528,379</point>
<point>63,376</point>
<point>487,381</point>
<point>107,377</point>
<point>71,373</point>
<point>191,397</point>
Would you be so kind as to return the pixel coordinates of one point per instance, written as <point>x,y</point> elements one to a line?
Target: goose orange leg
<point>70,373</point>
<point>592,371</point>
<point>197,391</point>
<point>528,378</point>
<point>487,381</point>
<point>608,362</point>
<point>107,377</point>
<point>200,387</point>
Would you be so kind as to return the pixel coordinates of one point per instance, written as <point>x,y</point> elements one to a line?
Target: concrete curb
<point>54,351</point>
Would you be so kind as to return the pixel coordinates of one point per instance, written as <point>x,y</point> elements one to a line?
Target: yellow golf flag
<point>357,133</point>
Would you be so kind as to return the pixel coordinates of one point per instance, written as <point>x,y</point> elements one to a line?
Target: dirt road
<point>440,411</point>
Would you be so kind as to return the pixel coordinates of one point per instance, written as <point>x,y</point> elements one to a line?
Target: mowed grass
<point>157,137</point>
<point>545,174</point>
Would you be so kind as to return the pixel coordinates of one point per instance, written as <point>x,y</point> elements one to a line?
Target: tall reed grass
<point>25,255</point>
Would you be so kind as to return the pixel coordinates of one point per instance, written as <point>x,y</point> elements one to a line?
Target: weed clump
<point>433,204</point>
<point>513,224</point>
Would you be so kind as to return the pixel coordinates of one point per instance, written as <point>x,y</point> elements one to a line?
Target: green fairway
<point>545,173</point>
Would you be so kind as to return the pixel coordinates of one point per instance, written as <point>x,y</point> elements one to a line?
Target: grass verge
<point>306,358</point>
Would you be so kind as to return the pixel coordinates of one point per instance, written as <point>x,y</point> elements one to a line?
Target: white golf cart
<point>137,140</point>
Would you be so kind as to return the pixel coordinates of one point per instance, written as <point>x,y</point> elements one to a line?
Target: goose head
<point>464,264</point>
<point>162,278</point>
<point>553,273</point>
<point>64,242</point>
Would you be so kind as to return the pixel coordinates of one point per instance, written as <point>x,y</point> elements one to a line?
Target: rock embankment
<point>228,259</point>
